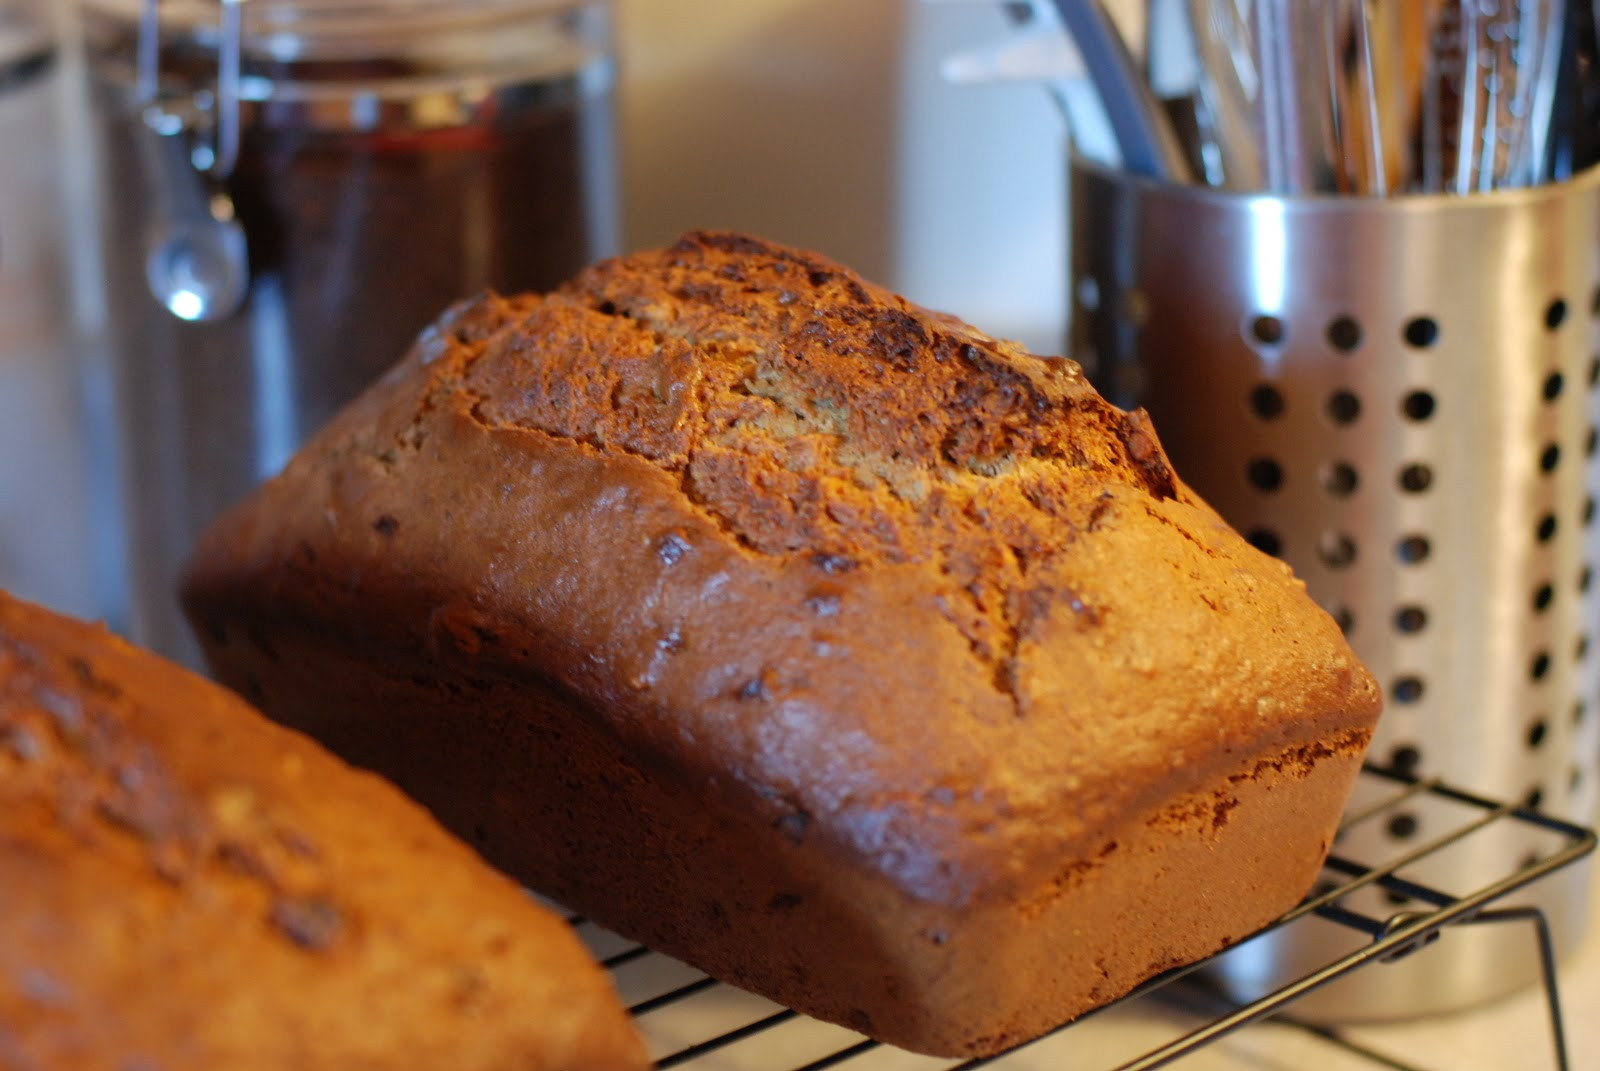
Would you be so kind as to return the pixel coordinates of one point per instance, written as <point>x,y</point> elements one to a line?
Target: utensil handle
<point>1148,145</point>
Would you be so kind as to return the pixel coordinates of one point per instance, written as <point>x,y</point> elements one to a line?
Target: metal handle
<point>1148,145</point>
<point>196,261</point>
<point>196,256</point>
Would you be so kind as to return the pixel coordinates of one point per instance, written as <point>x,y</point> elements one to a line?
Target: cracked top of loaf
<point>899,586</point>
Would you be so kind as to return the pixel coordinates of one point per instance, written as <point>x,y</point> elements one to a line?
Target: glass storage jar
<point>290,190</point>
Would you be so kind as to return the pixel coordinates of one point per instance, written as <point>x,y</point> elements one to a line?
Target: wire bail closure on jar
<point>196,256</point>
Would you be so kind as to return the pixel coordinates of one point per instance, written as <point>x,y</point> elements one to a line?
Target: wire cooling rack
<point>693,1021</point>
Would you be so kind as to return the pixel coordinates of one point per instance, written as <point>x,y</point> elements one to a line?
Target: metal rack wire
<point>694,1021</point>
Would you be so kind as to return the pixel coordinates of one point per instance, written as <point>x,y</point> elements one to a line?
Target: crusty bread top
<point>810,412</point>
<point>185,885</point>
<point>906,589</point>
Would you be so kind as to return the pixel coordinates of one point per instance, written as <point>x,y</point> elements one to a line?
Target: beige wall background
<point>827,124</point>
<point>777,116</point>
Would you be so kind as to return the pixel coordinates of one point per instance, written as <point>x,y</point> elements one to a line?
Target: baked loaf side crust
<point>914,603</point>
<point>701,875</point>
<point>186,885</point>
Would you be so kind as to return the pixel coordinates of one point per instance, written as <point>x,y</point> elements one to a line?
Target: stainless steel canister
<point>290,190</point>
<point>1400,397</point>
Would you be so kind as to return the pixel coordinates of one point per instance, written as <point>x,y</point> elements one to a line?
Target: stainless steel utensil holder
<point>1400,397</point>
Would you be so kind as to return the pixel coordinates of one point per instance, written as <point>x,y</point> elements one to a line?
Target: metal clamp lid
<point>196,260</point>
<point>27,44</point>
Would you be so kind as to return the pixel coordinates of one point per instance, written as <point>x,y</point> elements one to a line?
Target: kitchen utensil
<point>1490,94</point>
<point>1229,86</point>
<point>1373,97</point>
<point>1401,397</point>
<point>1443,73</point>
<point>1172,65</point>
<point>1147,143</point>
<point>1357,115</point>
<point>1399,42</point>
<point>1546,49</point>
<point>1573,143</point>
<point>1295,118</point>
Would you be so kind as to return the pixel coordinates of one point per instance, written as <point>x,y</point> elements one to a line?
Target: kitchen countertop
<point>1513,1033</point>
<point>1510,1033</point>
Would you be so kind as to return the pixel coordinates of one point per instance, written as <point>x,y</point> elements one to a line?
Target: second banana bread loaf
<point>185,886</point>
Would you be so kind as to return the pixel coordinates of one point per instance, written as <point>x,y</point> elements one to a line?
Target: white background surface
<point>825,123</point>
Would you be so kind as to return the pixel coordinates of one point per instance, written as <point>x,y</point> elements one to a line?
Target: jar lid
<point>297,30</point>
<point>24,35</point>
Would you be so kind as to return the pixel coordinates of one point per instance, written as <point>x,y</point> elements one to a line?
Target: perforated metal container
<point>1399,397</point>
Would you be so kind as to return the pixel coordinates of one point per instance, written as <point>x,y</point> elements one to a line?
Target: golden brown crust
<point>698,874</point>
<point>189,886</point>
<point>914,597</point>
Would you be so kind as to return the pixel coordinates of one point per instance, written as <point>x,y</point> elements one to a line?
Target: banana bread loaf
<point>818,639</point>
<point>184,885</point>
